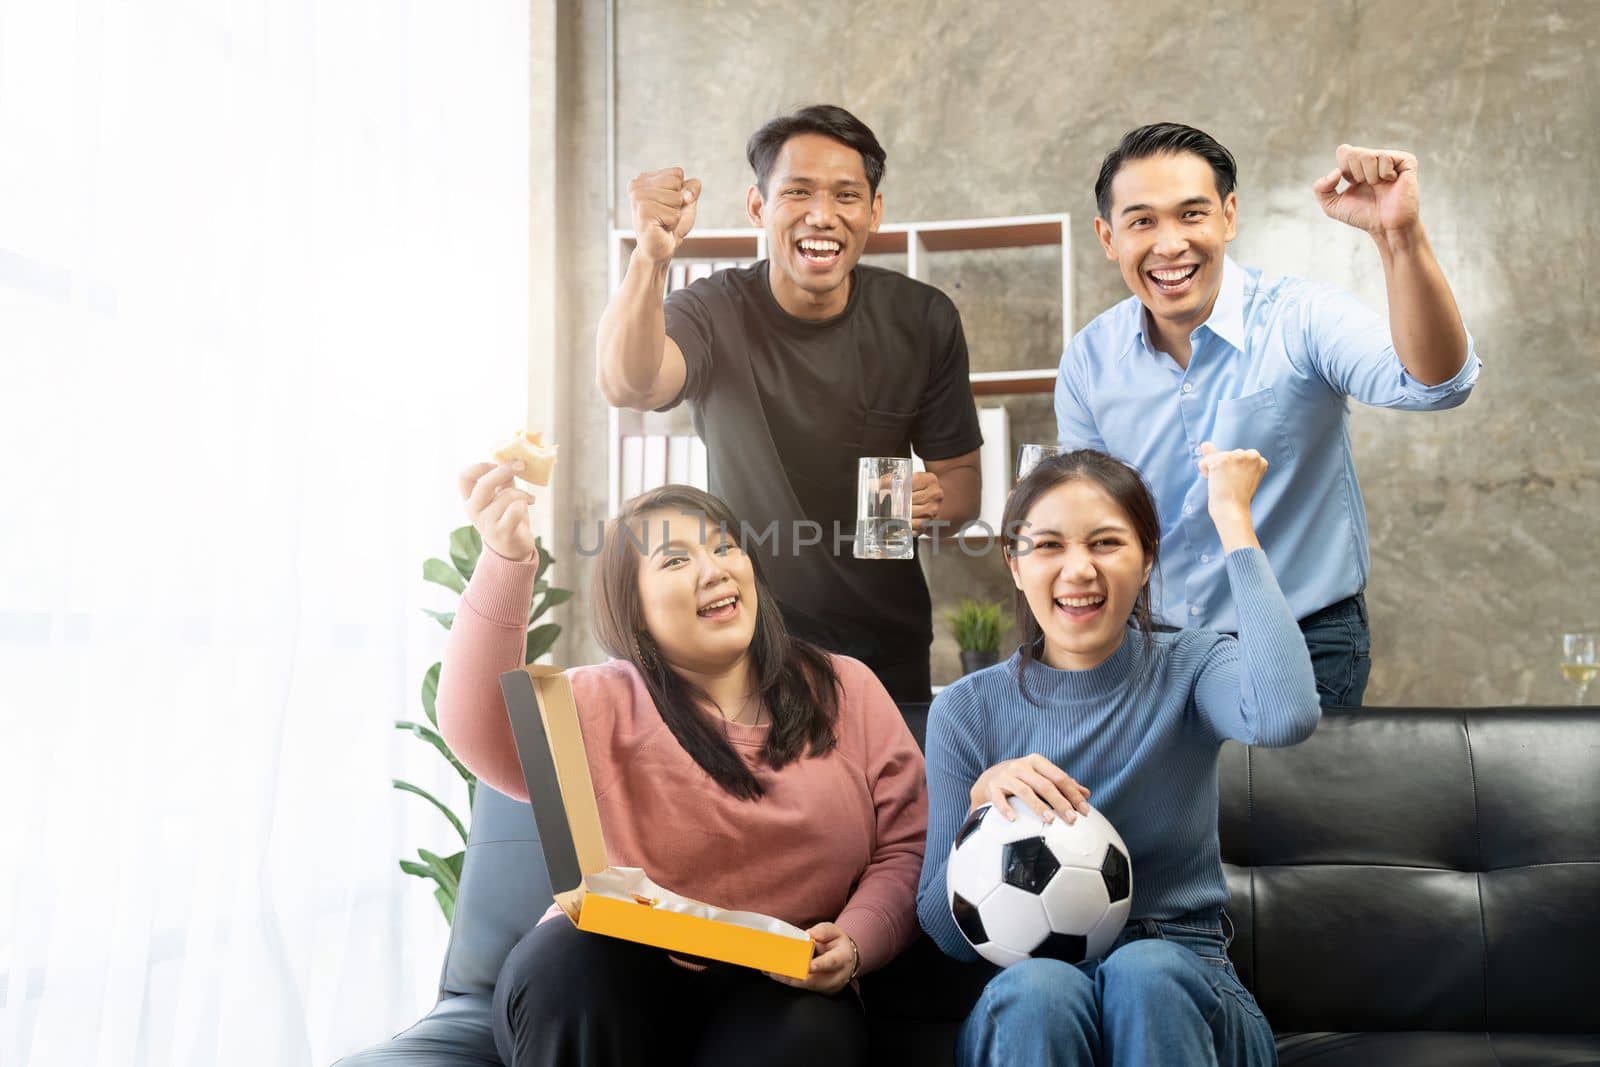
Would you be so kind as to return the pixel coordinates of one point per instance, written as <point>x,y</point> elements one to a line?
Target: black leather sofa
<point>1411,886</point>
<point>1420,887</point>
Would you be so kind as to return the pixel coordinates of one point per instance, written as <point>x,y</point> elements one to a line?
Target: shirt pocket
<point>885,433</point>
<point>1253,421</point>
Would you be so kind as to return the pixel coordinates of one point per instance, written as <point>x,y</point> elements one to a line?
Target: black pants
<point>905,672</point>
<point>908,681</point>
<point>566,998</point>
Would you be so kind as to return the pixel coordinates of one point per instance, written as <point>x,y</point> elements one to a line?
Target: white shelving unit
<point>919,242</point>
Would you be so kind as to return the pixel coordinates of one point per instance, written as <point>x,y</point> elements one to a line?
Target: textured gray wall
<point>1481,519</point>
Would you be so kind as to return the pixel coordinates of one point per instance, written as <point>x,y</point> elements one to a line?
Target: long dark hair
<point>1122,484</point>
<point>797,682</point>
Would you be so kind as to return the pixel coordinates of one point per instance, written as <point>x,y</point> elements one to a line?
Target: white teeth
<point>1171,276</point>
<point>1079,601</point>
<point>724,602</point>
<point>813,245</point>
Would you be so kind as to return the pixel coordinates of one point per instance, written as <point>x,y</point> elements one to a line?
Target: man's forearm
<point>1423,319</point>
<point>632,335</point>
<point>963,498</point>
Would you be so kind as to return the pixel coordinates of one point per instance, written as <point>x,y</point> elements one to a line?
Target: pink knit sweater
<point>835,838</point>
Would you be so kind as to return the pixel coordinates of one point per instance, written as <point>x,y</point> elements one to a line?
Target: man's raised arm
<point>1382,198</point>
<point>636,364</point>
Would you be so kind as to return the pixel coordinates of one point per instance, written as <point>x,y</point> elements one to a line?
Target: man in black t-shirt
<point>797,366</point>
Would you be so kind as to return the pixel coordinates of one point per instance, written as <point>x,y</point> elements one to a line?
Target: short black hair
<point>826,119</point>
<point>1164,139</point>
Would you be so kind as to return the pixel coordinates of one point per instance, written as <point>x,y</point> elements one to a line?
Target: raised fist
<point>1233,478</point>
<point>664,204</point>
<point>1382,192</point>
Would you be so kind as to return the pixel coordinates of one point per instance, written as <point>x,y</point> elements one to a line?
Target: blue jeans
<point>1164,994</point>
<point>1339,638</point>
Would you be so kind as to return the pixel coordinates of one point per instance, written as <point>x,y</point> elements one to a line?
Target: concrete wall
<point>1482,519</point>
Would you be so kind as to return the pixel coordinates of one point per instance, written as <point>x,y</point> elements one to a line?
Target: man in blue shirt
<point>1207,351</point>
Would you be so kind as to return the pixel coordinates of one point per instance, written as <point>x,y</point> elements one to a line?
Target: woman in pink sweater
<point>735,764</point>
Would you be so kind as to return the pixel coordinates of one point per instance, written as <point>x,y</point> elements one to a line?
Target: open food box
<point>619,901</point>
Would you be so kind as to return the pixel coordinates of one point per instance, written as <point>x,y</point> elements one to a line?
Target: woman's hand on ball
<point>499,509</point>
<point>1039,784</point>
<point>835,961</point>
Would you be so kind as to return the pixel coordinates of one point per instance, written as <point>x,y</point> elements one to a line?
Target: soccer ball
<point>1025,889</point>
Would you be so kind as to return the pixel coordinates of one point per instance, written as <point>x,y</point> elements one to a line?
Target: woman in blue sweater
<point>1094,702</point>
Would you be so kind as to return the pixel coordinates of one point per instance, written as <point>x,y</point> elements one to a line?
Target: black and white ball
<point>1026,888</point>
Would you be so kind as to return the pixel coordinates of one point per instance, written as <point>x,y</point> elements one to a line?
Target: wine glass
<point>1579,663</point>
<point>1030,456</point>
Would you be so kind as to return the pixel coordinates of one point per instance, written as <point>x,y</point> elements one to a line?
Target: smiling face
<point>1168,232</point>
<point>817,210</point>
<point>697,592</point>
<point>1083,573</point>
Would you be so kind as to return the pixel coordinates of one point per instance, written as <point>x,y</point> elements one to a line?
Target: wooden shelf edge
<point>942,235</point>
<point>1004,383</point>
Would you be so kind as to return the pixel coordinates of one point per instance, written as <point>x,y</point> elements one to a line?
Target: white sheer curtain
<point>263,274</point>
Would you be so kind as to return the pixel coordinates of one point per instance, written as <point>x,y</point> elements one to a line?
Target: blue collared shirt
<point>1271,369</point>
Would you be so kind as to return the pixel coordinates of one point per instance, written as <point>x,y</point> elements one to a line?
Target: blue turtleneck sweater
<point>1141,730</point>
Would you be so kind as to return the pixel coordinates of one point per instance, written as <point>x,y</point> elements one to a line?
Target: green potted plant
<point>977,626</point>
<point>466,545</point>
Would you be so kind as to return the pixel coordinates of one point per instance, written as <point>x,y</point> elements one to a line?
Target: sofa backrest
<point>1419,869</point>
<point>1403,869</point>
<point>504,890</point>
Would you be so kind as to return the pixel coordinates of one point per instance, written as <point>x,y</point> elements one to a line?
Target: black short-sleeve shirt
<point>786,407</point>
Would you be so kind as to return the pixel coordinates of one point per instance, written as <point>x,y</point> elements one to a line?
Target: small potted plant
<point>976,626</point>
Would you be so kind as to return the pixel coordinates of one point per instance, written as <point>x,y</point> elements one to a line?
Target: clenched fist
<point>1381,196</point>
<point>664,204</point>
<point>1233,478</point>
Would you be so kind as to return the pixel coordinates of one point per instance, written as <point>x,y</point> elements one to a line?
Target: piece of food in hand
<point>538,458</point>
